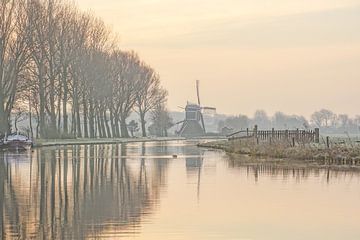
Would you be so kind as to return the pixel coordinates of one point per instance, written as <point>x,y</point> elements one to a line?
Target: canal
<point>144,191</point>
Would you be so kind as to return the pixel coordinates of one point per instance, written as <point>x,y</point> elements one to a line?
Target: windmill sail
<point>198,91</point>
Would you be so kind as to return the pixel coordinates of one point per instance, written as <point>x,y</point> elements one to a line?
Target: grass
<point>347,153</point>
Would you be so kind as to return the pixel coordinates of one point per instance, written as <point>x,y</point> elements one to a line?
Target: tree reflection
<point>76,192</point>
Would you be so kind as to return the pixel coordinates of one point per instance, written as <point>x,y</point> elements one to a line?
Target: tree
<point>133,127</point>
<point>280,120</point>
<point>149,94</point>
<point>323,118</point>
<point>236,123</point>
<point>13,55</point>
<point>66,68</point>
<point>343,120</point>
<point>283,121</point>
<point>126,82</point>
<point>261,119</point>
<point>161,121</point>
<point>317,119</point>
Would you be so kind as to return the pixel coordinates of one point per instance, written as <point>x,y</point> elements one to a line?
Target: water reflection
<point>76,192</point>
<point>194,164</point>
<point>112,191</point>
<point>296,171</point>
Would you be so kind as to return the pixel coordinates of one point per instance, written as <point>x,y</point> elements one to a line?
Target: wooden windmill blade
<point>199,102</point>
<point>202,122</point>
<point>198,91</point>
<point>209,110</point>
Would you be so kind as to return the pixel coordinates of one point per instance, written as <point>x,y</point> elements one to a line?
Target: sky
<point>278,55</point>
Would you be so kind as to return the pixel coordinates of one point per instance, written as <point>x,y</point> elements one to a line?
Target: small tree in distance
<point>161,121</point>
<point>133,127</point>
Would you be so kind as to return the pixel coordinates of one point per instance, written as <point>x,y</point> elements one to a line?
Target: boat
<point>17,142</point>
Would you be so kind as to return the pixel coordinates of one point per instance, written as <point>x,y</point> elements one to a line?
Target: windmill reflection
<point>76,192</point>
<point>194,163</point>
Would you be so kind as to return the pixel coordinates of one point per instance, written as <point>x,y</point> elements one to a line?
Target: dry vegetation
<point>347,153</point>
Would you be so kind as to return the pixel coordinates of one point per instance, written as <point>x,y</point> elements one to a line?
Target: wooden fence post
<point>317,135</point>
<point>256,131</point>
<point>297,135</point>
<point>328,142</point>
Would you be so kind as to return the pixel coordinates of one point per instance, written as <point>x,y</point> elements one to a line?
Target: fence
<point>294,135</point>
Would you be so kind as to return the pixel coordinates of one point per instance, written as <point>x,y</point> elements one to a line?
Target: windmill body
<point>193,125</point>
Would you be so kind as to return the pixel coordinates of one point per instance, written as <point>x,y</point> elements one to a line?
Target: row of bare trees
<point>326,120</point>
<point>64,67</point>
<point>331,122</point>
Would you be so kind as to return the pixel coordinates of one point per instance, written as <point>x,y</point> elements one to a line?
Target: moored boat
<point>17,142</point>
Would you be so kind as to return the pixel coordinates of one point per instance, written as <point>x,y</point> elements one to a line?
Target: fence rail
<point>295,135</point>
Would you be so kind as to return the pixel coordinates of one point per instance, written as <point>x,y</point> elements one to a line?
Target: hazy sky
<point>287,55</point>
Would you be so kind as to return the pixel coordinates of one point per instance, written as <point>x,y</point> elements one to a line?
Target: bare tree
<point>64,65</point>
<point>13,55</point>
<point>261,119</point>
<point>149,94</point>
<point>161,121</point>
<point>126,77</point>
<point>323,118</point>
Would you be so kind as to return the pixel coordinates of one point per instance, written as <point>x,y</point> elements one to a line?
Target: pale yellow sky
<point>292,56</point>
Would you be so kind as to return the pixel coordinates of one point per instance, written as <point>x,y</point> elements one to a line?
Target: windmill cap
<point>192,107</point>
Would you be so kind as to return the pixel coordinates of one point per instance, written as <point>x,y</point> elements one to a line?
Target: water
<point>139,191</point>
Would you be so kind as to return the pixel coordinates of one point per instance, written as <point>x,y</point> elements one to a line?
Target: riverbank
<point>95,141</point>
<point>310,152</point>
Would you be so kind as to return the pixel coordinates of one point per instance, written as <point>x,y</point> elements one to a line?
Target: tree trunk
<point>117,123</point>
<point>59,109</point>
<point>65,116</point>
<point>37,125</point>
<point>102,123</point>
<point>78,118</point>
<point>73,121</point>
<point>107,125</point>
<point>143,124</point>
<point>123,126</point>
<point>91,119</point>
<point>2,198</point>
<point>42,102</point>
<point>85,109</point>
<point>52,106</point>
<point>78,122</point>
<point>4,124</point>
<point>30,121</point>
<point>99,125</point>
<point>15,125</point>
<point>112,123</point>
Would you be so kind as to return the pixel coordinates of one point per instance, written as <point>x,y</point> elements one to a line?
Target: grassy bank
<point>336,154</point>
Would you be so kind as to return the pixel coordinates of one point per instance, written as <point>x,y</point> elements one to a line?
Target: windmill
<point>194,125</point>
